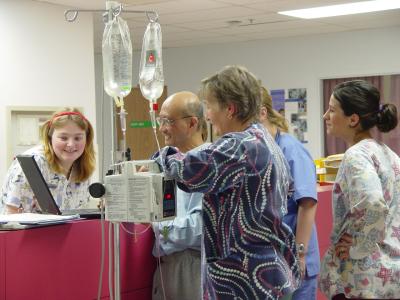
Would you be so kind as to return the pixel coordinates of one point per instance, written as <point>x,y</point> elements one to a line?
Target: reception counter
<point>63,262</point>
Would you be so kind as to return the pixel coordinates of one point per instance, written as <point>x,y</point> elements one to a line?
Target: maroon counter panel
<point>323,220</point>
<point>63,262</point>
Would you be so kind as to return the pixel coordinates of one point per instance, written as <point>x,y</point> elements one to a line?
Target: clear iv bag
<point>151,75</point>
<point>117,58</point>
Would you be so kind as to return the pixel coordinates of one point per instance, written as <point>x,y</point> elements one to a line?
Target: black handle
<point>97,190</point>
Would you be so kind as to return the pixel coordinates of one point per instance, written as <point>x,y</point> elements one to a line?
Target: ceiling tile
<point>179,6</point>
<point>224,22</point>
<point>196,22</point>
<point>208,14</point>
<point>299,31</point>
<point>244,2</point>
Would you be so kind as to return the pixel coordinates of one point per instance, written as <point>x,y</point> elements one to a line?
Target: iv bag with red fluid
<point>151,75</point>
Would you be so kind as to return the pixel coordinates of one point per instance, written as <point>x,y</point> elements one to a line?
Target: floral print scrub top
<point>366,199</point>
<point>17,192</point>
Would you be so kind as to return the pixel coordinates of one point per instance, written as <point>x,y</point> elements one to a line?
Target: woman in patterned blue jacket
<point>250,253</point>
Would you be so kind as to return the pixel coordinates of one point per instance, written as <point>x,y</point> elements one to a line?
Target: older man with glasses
<point>178,242</point>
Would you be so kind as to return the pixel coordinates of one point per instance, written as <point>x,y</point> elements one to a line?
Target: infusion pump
<point>139,196</point>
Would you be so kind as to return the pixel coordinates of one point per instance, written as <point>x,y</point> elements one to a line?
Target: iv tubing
<point>154,124</point>
<point>119,102</point>
<point>122,116</point>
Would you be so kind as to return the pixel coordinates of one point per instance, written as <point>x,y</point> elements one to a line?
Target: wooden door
<point>139,134</point>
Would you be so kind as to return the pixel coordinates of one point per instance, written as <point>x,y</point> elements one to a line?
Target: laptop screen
<point>38,185</point>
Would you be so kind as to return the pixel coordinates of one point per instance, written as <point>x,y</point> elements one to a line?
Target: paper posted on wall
<point>292,104</point>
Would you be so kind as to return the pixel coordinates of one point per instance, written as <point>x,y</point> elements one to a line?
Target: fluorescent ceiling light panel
<point>343,9</point>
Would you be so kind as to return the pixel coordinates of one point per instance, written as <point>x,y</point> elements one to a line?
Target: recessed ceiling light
<point>343,9</point>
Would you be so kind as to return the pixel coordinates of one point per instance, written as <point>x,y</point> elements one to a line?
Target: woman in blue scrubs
<point>302,203</point>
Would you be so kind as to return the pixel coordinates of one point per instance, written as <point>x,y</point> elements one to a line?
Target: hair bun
<point>387,117</point>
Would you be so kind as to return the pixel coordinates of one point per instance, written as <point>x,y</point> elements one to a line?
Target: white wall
<point>45,61</point>
<point>296,62</point>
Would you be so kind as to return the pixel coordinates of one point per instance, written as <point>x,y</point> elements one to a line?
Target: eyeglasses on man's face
<point>168,122</point>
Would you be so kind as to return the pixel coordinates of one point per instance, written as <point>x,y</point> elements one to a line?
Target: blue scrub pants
<point>307,289</point>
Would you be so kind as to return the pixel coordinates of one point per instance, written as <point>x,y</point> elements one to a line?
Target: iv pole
<point>70,16</point>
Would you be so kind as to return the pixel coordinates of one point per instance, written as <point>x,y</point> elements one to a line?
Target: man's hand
<point>143,169</point>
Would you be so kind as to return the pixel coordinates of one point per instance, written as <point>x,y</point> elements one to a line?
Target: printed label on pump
<point>139,188</point>
<point>116,193</point>
<point>151,58</point>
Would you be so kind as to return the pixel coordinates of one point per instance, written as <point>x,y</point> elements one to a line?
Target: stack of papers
<point>24,220</point>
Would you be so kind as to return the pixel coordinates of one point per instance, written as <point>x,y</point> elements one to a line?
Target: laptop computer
<point>42,192</point>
